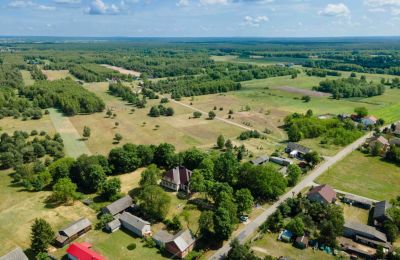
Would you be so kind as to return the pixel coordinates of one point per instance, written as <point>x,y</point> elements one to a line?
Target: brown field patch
<point>303,91</point>
<point>122,70</point>
<point>56,74</point>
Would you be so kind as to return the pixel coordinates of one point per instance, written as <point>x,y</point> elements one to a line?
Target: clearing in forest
<point>122,70</point>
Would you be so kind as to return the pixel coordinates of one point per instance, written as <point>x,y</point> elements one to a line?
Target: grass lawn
<point>26,76</point>
<point>269,244</point>
<point>355,214</point>
<point>57,74</point>
<point>364,175</point>
<point>10,125</point>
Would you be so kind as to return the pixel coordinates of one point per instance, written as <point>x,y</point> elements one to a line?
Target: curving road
<point>252,227</point>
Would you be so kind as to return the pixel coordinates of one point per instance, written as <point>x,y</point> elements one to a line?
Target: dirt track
<point>303,91</point>
<point>122,70</point>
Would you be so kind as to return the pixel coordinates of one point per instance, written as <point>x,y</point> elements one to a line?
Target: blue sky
<point>215,18</point>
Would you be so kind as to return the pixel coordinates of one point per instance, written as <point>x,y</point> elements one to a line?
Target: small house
<point>285,236</point>
<point>281,161</point>
<point>113,225</point>
<point>181,244</point>
<point>73,231</point>
<point>301,242</point>
<point>177,179</point>
<point>135,224</point>
<point>83,251</point>
<point>162,237</point>
<point>16,254</point>
<point>380,211</point>
<point>369,120</point>
<point>296,150</point>
<point>379,140</point>
<point>322,194</point>
<point>118,206</point>
<point>260,160</point>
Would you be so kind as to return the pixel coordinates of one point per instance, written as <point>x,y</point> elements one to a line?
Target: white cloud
<point>380,3</point>
<point>98,7</point>
<point>335,10</point>
<point>214,2</point>
<point>377,10</point>
<point>67,2</point>
<point>182,3</point>
<point>254,21</point>
<point>395,11</point>
<point>30,4</point>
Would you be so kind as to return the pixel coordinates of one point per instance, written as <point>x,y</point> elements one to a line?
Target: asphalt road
<point>252,227</point>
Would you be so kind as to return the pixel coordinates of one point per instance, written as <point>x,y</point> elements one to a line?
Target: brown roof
<point>325,191</point>
<point>178,175</point>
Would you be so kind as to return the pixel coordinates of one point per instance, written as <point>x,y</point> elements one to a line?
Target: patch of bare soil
<point>122,70</point>
<point>302,91</point>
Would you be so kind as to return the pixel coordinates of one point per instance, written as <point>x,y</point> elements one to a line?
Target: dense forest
<point>350,87</point>
<point>66,95</point>
<point>96,73</point>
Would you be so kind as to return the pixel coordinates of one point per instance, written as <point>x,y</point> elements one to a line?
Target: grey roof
<point>362,228</point>
<point>75,227</point>
<point>183,239</point>
<point>119,205</point>
<point>114,224</point>
<point>163,236</point>
<point>380,208</point>
<point>298,147</point>
<point>394,141</point>
<point>358,199</point>
<point>133,220</point>
<point>280,160</point>
<point>16,254</point>
<point>260,160</point>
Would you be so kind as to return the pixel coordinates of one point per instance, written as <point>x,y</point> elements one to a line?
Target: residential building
<point>73,231</point>
<point>281,161</point>
<point>323,194</point>
<point>118,206</point>
<point>380,211</point>
<point>135,224</point>
<point>260,160</point>
<point>379,140</point>
<point>177,179</point>
<point>83,251</point>
<point>16,254</point>
<point>368,120</point>
<point>181,244</point>
<point>162,237</point>
<point>296,150</point>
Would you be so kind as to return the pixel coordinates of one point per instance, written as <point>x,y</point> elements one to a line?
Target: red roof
<point>178,175</point>
<point>82,251</point>
<point>325,191</point>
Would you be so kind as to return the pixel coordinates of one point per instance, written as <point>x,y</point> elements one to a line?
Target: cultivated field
<point>57,74</point>
<point>364,175</point>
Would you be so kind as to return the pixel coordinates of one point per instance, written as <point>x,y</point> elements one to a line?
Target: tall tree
<point>41,236</point>
<point>86,132</point>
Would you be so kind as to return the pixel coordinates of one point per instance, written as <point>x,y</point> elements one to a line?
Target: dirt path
<point>303,91</point>
<point>74,147</point>
<point>260,249</point>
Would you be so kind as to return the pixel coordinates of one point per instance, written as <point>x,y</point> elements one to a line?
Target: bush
<point>131,246</point>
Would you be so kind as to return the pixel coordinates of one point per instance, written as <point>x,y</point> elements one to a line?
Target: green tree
<point>104,219</point>
<point>110,189</point>
<point>211,115</point>
<point>150,176</point>
<point>197,114</point>
<point>154,111</point>
<point>312,158</point>
<point>41,236</point>
<point>61,168</point>
<point>296,226</point>
<point>240,252</point>
<point>197,181</point>
<point>86,132</point>
<point>228,144</point>
<point>118,137</point>
<point>306,99</point>
<point>361,111</point>
<point>244,200</point>
<point>164,155</point>
<point>223,226</point>
<point>64,191</point>
<point>226,168</point>
<point>206,223</point>
<point>154,202</point>
<point>293,174</point>
<point>220,141</point>
<point>294,134</point>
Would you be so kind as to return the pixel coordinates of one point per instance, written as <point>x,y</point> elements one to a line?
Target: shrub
<point>131,246</point>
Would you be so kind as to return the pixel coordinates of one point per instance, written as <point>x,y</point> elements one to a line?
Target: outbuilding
<point>73,231</point>
<point>15,254</point>
<point>135,224</point>
<point>118,206</point>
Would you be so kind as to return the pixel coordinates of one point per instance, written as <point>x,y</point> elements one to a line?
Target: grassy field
<point>364,175</point>
<point>26,76</point>
<point>269,244</point>
<point>258,60</point>
<point>9,125</point>
<point>355,214</point>
<point>57,74</point>
<point>137,127</point>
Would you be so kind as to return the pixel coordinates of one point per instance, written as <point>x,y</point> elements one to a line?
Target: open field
<point>26,76</point>
<point>9,125</point>
<point>269,244</point>
<point>73,144</point>
<point>136,127</point>
<point>355,214</point>
<point>19,208</point>
<point>57,74</point>
<point>364,175</point>
<point>258,60</point>
<point>122,70</point>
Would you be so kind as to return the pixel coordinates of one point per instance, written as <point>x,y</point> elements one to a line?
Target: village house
<point>260,160</point>
<point>83,251</point>
<point>365,234</point>
<point>73,231</point>
<point>281,161</point>
<point>177,179</point>
<point>322,194</point>
<point>380,212</point>
<point>369,120</point>
<point>181,244</point>
<point>16,254</point>
<point>118,206</point>
<point>379,140</point>
<point>135,224</point>
<point>296,150</point>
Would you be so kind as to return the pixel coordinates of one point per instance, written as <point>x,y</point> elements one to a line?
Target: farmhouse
<point>135,224</point>
<point>162,237</point>
<point>177,179</point>
<point>118,206</point>
<point>380,211</point>
<point>83,251</point>
<point>73,231</point>
<point>296,150</point>
<point>16,254</point>
<point>322,194</point>
<point>260,160</point>
<point>378,140</point>
<point>181,244</point>
<point>365,234</point>
<point>281,161</point>
<point>369,120</point>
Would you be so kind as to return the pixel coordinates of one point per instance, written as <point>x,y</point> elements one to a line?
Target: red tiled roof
<point>82,251</point>
<point>178,175</point>
<point>324,191</point>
